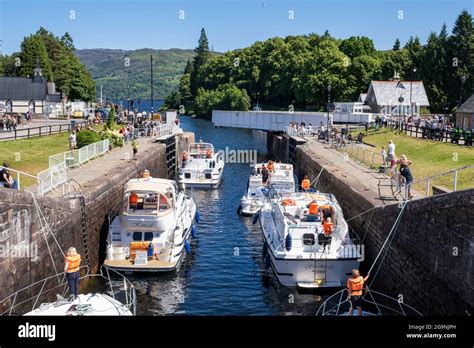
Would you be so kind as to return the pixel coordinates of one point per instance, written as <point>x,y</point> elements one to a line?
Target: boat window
<point>187,175</point>
<point>148,236</point>
<point>308,239</point>
<point>201,150</point>
<point>141,203</point>
<point>137,236</point>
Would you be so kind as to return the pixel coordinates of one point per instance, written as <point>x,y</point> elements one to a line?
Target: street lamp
<point>327,120</point>
<point>411,89</point>
<point>463,80</point>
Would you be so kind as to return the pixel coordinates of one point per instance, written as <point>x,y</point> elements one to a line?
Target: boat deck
<point>150,266</point>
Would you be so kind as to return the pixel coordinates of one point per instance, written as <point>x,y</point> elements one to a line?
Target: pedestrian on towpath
<point>72,263</point>
<point>135,148</point>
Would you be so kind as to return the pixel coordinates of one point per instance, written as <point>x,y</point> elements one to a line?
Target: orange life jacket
<point>133,198</point>
<point>288,201</point>
<point>313,209</point>
<point>327,226</point>
<point>73,263</point>
<point>305,184</point>
<point>271,167</point>
<point>356,285</point>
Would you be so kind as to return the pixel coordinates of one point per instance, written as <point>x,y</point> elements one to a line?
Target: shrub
<point>115,138</point>
<point>86,137</point>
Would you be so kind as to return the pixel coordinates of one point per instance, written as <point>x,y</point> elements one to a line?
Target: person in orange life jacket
<point>354,290</point>
<point>271,167</point>
<point>328,227</point>
<point>313,213</point>
<point>305,184</point>
<point>72,262</point>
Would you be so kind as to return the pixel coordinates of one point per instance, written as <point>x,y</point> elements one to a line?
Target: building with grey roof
<point>465,114</point>
<point>396,97</point>
<point>23,94</point>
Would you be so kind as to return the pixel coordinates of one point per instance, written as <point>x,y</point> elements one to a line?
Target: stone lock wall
<point>20,221</point>
<point>429,261</point>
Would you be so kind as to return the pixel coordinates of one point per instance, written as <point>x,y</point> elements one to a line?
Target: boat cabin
<point>201,150</point>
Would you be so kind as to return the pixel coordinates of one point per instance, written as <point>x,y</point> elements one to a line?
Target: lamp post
<point>329,101</point>
<point>411,89</point>
<point>463,80</point>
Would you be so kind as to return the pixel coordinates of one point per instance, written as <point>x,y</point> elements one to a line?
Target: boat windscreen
<point>201,150</point>
<point>147,203</point>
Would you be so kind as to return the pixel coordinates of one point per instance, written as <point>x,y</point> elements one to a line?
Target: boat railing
<point>382,304</point>
<point>30,297</point>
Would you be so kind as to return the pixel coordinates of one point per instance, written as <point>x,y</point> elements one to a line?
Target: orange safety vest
<point>288,201</point>
<point>133,198</point>
<point>313,209</point>
<point>356,285</point>
<point>327,226</point>
<point>305,184</point>
<point>73,263</point>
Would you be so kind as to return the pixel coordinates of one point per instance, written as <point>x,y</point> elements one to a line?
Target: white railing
<point>18,176</point>
<point>77,157</point>
<point>428,181</point>
<point>51,178</point>
<point>159,131</point>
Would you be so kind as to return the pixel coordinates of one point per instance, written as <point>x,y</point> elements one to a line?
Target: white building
<point>23,94</point>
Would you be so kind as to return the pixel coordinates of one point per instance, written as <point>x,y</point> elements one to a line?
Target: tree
<point>67,41</point>
<point>226,97</point>
<point>396,45</point>
<point>201,57</point>
<point>111,120</point>
<point>356,46</point>
<point>33,48</point>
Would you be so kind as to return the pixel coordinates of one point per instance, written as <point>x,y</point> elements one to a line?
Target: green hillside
<point>108,68</point>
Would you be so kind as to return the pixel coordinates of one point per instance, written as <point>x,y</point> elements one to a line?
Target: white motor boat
<point>153,229</point>
<point>48,297</point>
<point>299,252</point>
<point>202,167</point>
<point>281,181</point>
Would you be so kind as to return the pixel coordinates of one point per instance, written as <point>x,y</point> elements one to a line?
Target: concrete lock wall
<point>20,222</point>
<point>429,262</point>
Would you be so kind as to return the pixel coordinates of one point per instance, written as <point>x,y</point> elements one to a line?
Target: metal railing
<point>77,157</point>
<point>51,178</point>
<point>454,174</point>
<point>19,174</point>
<point>383,304</point>
<point>28,298</point>
<point>20,133</point>
<point>363,155</point>
<point>159,131</point>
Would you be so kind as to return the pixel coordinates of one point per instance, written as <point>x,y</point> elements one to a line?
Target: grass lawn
<point>31,155</point>
<point>429,157</point>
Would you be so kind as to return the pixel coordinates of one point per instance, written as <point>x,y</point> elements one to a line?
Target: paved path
<point>87,174</point>
<point>38,127</point>
<point>360,178</point>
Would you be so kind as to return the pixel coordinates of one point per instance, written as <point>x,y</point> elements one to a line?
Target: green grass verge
<point>31,155</point>
<point>429,157</point>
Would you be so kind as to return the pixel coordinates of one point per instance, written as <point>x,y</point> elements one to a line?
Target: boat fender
<point>187,247</point>
<point>288,242</point>
<point>239,210</point>
<point>255,217</point>
<point>197,216</point>
<point>193,231</point>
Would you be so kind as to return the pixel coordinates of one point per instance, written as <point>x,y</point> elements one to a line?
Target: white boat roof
<point>277,166</point>
<point>150,184</point>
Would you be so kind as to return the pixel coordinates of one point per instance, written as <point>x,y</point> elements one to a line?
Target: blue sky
<point>230,24</point>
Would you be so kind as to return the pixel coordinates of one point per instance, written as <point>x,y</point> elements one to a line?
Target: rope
<point>364,212</point>
<point>368,226</point>
<point>46,222</point>
<point>394,228</point>
<point>315,181</point>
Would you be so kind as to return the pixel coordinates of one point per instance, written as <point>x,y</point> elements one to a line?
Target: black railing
<point>20,133</point>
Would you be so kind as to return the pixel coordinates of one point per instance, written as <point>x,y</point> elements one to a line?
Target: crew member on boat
<point>146,174</point>
<point>354,290</point>
<point>328,227</point>
<point>184,157</point>
<point>305,184</point>
<point>72,262</point>
<point>133,200</point>
<point>209,153</point>
<point>265,175</point>
<point>313,213</point>
<point>271,166</point>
